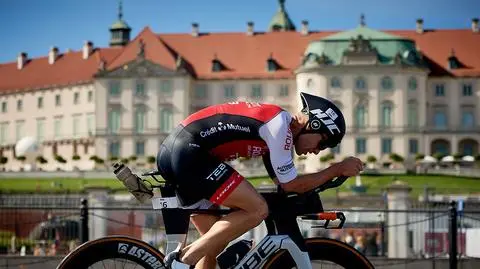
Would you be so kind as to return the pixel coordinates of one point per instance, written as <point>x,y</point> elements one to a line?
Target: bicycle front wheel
<point>113,252</point>
<point>324,253</point>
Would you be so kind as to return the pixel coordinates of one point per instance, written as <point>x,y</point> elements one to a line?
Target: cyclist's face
<point>309,143</point>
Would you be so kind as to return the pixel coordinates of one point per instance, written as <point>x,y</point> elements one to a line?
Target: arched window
<point>387,112</point>
<point>360,116</point>
<point>166,120</point>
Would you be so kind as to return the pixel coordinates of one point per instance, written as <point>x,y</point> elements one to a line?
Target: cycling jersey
<point>193,155</point>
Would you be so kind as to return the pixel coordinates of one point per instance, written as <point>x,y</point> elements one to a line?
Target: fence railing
<point>433,233</point>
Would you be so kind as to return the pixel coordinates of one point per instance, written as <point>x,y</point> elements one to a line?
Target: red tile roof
<point>243,56</point>
<point>68,69</point>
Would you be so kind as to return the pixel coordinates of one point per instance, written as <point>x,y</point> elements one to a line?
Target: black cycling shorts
<point>197,174</point>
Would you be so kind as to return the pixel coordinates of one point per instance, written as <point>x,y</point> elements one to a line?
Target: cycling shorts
<point>200,178</point>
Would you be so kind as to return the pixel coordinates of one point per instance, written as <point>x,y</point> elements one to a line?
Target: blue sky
<point>34,26</point>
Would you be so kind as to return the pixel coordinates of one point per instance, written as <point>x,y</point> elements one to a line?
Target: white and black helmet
<point>324,117</point>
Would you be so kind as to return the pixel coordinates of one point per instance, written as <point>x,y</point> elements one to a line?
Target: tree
<point>113,158</point>
<point>125,160</point>
<point>60,159</point>
<point>371,159</point>
<point>21,158</point>
<point>396,158</point>
<point>41,160</point>
<point>327,158</point>
<point>151,159</point>
<point>76,157</point>
<point>133,158</point>
<point>439,155</point>
<point>3,160</point>
<point>419,156</point>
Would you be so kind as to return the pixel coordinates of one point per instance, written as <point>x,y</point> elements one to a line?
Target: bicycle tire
<point>324,249</point>
<point>113,247</point>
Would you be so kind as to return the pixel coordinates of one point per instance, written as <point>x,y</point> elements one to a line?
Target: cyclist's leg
<point>251,211</point>
<point>203,223</point>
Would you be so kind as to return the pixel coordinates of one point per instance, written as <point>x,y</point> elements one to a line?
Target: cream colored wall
<point>31,113</point>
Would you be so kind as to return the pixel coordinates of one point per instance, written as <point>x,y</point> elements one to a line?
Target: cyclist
<point>193,158</point>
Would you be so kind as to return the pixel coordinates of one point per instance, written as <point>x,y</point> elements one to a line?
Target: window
<point>335,82</point>
<point>90,96</point>
<point>361,145</point>
<point>386,145</point>
<point>360,83</point>
<point>114,118</point>
<point>439,90</point>
<point>413,146</point>
<point>440,120</point>
<point>91,124</point>
<point>228,91</point>
<point>467,90</point>
<point>4,107</point>
<point>201,91</point>
<point>19,105</point>
<point>40,129</point>
<point>386,117</point>
<point>336,149</point>
<point>284,91</point>
<point>467,119</point>
<point>310,84</point>
<point>76,98</point>
<point>140,148</point>
<point>57,127</point>
<point>114,149</point>
<point>412,84</point>
<point>76,126</point>
<point>40,102</point>
<point>412,120</point>
<point>360,116</point>
<point>166,120</point>
<point>114,88</point>
<point>3,132</point>
<point>140,88</point>
<point>256,91</point>
<point>139,120</point>
<point>166,87</point>
<point>58,100</point>
<point>19,130</point>
<point>387,83</point>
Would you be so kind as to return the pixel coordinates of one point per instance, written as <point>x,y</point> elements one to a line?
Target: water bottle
<point>233,254</point>
<point>133,183</point>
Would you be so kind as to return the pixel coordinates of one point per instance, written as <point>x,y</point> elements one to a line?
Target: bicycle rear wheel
<point>324,253</point>
<point>113,252</point>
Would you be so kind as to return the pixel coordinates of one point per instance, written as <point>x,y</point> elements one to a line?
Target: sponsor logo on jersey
<point>218,172</point>
<point>255,151</point>
<point>328,118</point>
<point>222,127</point>
<point>285,169</point>
<point>141,254</point>
<point>288,141</point>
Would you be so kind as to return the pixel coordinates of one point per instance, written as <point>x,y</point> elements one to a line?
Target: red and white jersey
<point>246,129</point>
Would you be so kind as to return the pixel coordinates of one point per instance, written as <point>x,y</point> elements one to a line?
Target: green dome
<point>281,21</point>
<point>389,48</point>
<point>119,24</point>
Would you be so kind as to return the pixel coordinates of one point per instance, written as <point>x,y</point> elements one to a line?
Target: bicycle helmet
<point>324,117</point>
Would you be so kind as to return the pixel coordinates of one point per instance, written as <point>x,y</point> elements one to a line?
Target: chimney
<point>87,49</point>
<point>304,27</point>
<point>250,30</point>
<point>194,29</point>
<point>21,60</point>
<point>420,26</point>
<point>475,25</point>
<point>52,55</point>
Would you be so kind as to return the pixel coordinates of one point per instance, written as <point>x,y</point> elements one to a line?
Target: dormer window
<point>453,62</point>
<point>217,66</point>
<point>272,65</point>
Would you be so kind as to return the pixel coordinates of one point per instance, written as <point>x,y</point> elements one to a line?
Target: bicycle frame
<point>282,227</point>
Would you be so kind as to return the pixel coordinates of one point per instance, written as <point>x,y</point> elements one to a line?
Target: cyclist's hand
<point>350,167</point>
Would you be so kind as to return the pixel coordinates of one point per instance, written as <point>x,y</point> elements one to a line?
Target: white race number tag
<point>164,202</point>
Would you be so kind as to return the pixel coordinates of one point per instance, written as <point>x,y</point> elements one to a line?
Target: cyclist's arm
<point>279,162</point>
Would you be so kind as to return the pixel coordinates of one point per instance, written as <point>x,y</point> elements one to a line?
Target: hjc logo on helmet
<point>328,118</point>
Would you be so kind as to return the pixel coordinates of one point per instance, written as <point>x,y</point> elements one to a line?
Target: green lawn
<point>376,184</point>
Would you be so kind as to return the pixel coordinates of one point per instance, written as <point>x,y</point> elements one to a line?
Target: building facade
<point>405,92</point>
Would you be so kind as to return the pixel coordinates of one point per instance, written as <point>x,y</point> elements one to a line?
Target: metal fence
<point>59,224</point>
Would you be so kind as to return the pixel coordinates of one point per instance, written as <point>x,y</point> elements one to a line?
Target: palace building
<point>402,91</point>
